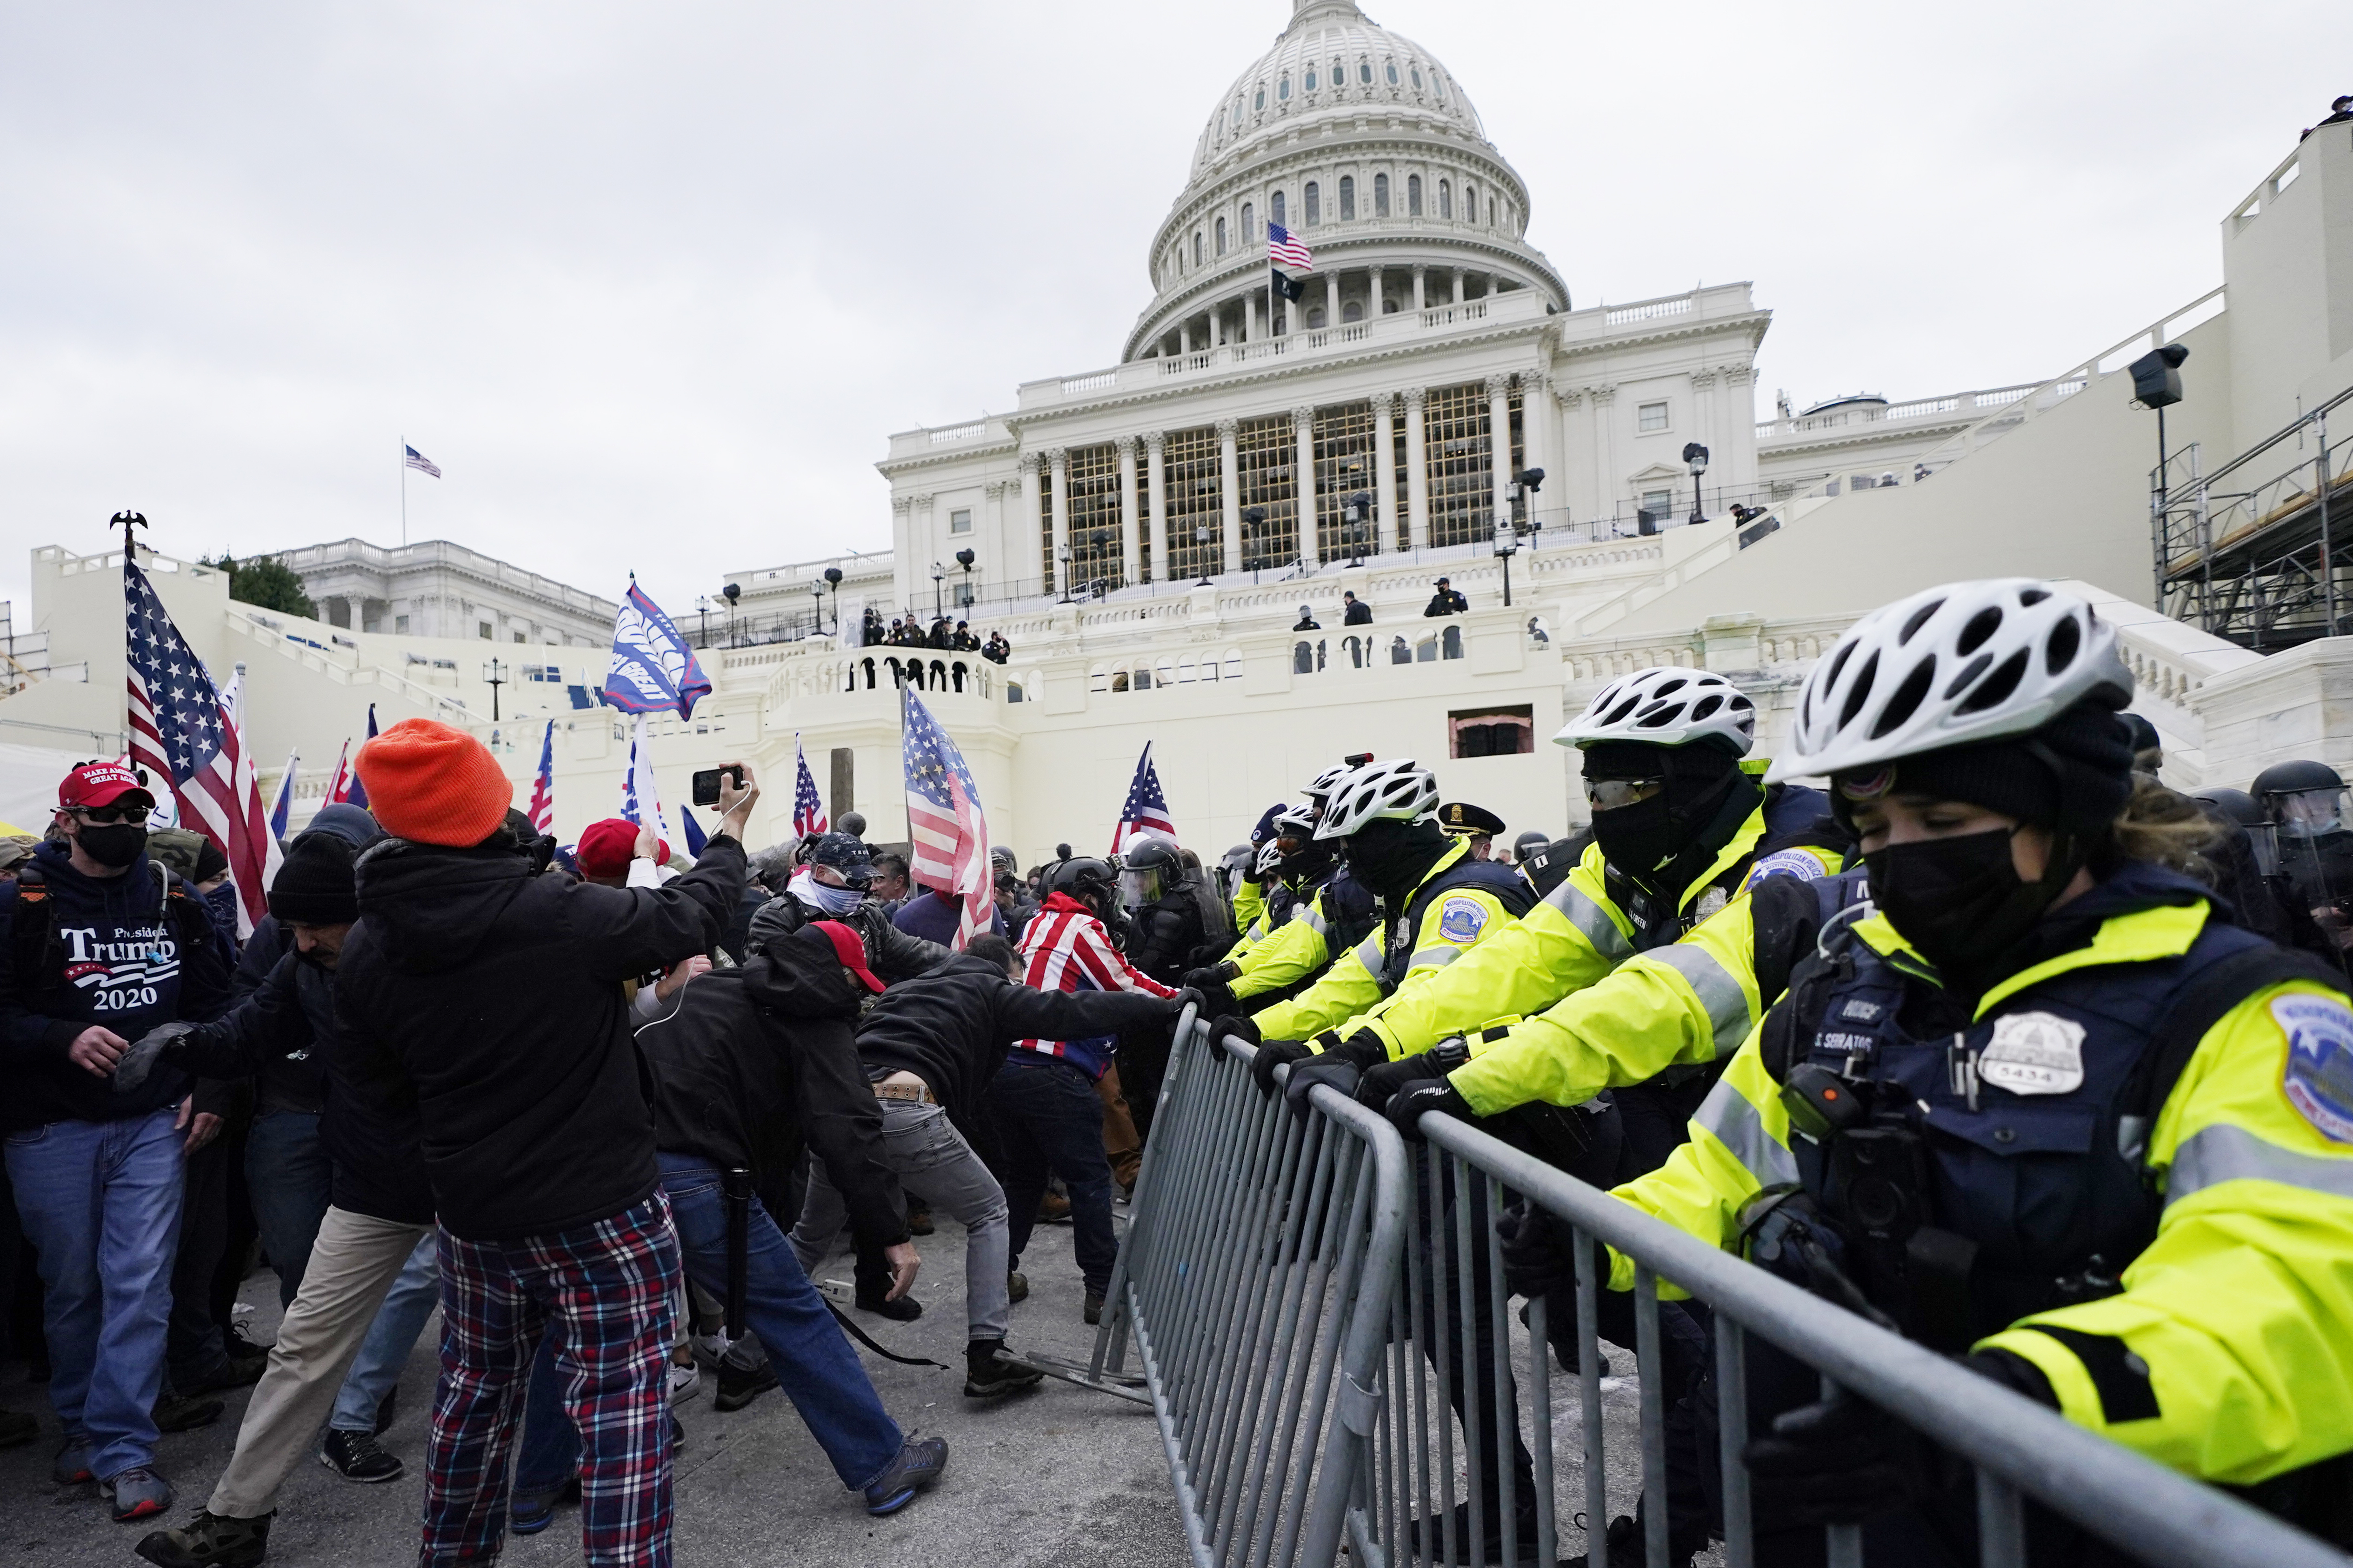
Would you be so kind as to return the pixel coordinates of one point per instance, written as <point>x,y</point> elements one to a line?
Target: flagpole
<point>403,492</point>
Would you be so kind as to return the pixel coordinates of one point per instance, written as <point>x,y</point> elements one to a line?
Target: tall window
<point>1380,196</point>
<point>1445,199</point>
<point>1249,222</point>
<point>1282,90</point>
<point>1461,462</point>
<point>1264,453</point>
<point>1093,488</point>
<point>1196,501</point>
<point>1196,248</point>
<point>1315,203</point>
<point>1274,210</point>
<point>1413,195</point>
<point>1469,203</point>
<point>1221,237</point>
<point>1365,72</point>
<point>1345,465</point>
<point>1311,79</point>
<point>1347,198</point>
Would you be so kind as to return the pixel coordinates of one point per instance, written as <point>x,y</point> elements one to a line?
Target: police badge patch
<point>2034,1053</point>
<point>1785,863</point>
<point>2318,1080</point>
<point>1459,920</point>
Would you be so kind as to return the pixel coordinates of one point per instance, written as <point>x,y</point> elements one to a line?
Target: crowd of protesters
<point>952,635</point>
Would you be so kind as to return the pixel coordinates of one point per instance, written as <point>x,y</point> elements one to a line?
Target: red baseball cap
<point>849,947</point>
<point>102,783</point>
<point>605,847</point>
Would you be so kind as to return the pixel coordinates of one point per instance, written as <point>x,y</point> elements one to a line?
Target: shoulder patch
<point>2318,1080</point>
<point>1462,920</point>
<point>1795,863</point>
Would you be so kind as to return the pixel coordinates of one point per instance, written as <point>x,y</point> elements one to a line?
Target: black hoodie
<point>496,993</point>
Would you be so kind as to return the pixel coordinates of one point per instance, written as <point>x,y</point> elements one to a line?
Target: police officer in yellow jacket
<point>2035,1102</point>
<point>1327,911</point>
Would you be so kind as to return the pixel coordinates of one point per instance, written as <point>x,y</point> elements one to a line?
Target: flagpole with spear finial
<point>127,521</point>
<point>403,492</point>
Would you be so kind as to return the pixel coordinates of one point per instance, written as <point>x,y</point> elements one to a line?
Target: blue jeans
<point>819,1372</point>
<point>101,1202</point>
<point>285,1174</point>
<point>551,1443</point>
<point>1048,1117</point>
<point>376,1370</point>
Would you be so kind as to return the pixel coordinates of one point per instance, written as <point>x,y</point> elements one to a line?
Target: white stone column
<point>924,537</point>
<point>1130,525</point>
<point>1373,297</point>
<point>1302,435</point>
<point>1384,496</point>
<point>1185,336</point>
<point>1536,427</point>
<point>1420,285</point>
<point>1606,479</point>
<point>1499,442</point>
<point>1578,466</point>
<point>1229,491</point>
<point>1331,299</point>
<point>1059,459</point>
<point>1156,504</point>
<point>1417,467</point>
<point>989,551</point>
<point>1250,331</point>
<point>902,550</point>
<point>1018,537</point>
<point>1458,288</point>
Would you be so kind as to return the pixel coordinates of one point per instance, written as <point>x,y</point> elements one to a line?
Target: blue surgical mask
<point>822,896</point>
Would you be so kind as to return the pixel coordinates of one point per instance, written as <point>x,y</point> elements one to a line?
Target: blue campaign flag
<point>654,668</point>
<point>695,837</point>
<point>356,794</point>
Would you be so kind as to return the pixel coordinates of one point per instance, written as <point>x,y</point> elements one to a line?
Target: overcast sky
<point>652,283</point>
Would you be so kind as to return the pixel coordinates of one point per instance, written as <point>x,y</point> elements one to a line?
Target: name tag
<point>2034,1053</point>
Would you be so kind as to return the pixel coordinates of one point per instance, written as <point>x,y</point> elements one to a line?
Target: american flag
<point>1285,248</point>
<point>542,789</point>
<point>1146,810</point>
<point>421,463</point>
<point>183,730</point>
<point>944,822</point>
<point>344,787</point>
<point>809,809</point>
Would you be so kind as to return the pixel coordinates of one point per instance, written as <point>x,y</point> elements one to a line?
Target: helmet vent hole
<point>1669,688</point>
<point>1997,686</point>
<point>1660,715</point>
<point>2066,638</point>
<point>1619,717</point>
<point>1861,692</point>
<point>1920,618</point>
<point>1969,672</point>
<point>2030,596</point>
<point>1906,700</point>
<point>1982,625</point>
<point>1838,663</point>
<point>1706,705</point>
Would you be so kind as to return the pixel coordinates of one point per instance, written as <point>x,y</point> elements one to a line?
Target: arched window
<point>1221,237</point>
<point>1365,72</point>
<point>1352,312</point>
<point>1413,195</point>
<point>1445,199</point>
<point>1438,84</point>
<point>1347,198</point>
<point>1261,103</point>
<point>1339,76</point>
<point>1249,222</point>
<point>1469,203</point>
<point>1282,90</point>
<point>1316,319</point>
<point>1237,114</point>
<point>1393,73</point>
<point>1417,78</point>
<point>1274,210</point>
<point>1196,248</point>
<point>1315,203</point>
<point>1311,79</point>
<point>1380,196</point>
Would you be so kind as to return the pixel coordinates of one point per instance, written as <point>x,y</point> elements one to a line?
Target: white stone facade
<point>436,589</point>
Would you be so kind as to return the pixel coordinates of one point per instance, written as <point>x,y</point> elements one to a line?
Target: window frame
<point>960,520</point>
<point>1347,198</point>
<point>1381,196</point>
<point>1643,411</point>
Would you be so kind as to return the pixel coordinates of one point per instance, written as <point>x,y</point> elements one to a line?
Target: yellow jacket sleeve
<point>1285,958</point>
<point>1453,926</point>
<point>1567,942</point>
<point>2242,1308</point>
<point>1250,903</point>
<point>1694,1002</point>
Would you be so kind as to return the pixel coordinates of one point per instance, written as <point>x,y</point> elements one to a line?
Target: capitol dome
<point>1362,144</point>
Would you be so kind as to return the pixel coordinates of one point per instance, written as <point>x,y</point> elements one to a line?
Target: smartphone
<point>706,785</point>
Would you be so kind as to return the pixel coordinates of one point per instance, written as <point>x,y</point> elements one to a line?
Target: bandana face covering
<point>824,896</point>
<point>1639,837</point>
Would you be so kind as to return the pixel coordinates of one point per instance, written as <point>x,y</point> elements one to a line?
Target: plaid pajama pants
<point>604,1292</point>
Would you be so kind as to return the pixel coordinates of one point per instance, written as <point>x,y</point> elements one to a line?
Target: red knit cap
<point>606,847</point>
<point>433,784</point>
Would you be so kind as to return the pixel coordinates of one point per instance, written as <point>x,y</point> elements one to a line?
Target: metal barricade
<point>1320,1314</point>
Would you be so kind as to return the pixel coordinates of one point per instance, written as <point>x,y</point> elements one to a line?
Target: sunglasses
<point>107,815</point>
<point>1609,795</point>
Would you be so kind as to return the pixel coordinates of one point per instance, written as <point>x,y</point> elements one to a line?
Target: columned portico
<point>1417,466</point>
<point>1155,445</point>
<point>1229,486</point>
<point>1058,461</point>
<point>1303,437</point>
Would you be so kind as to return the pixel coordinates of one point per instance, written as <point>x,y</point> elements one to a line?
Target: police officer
<point>1310,899</point>
<point>2305,803</point>
<point>2053,1113</point>
<point>1476,823</point>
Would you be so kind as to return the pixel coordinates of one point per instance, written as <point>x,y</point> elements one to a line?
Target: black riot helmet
<point>1091,881</point>
<point>1148,869</point>
<point>2233,806</point>
<point>2305,799</point>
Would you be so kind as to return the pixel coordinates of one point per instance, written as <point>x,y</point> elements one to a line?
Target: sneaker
<point>239,1345</point>
<point>71,1467</point>
<point>1092,1312</point>
<point>905,1309</point>
<point>17,1428</point>
<point>919,1219</point>
<point>685,1381</point>
<point>209,1541</point>
<point>919,1464</point>
<point>1054,1209</point>
<point>185,1412</point>
<point>136,1493</point>
<point>1017,1285</point>
<point>356,1457</point>
<point>738,1385</point>
<point>988,1375</point>
<point>383,1410</point>
<point>528,1513</point>
<point>710,1350</point>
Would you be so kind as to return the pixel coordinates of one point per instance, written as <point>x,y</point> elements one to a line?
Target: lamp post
<point>833,585</point>
<point>1524,486</point>
<point>1202,552</point>
<point>1253,526</point>
<point>1353,513</point>
<point>2156,384</point>
<point>1695,457</point>
<point>938,572</point>
<point>1507,543</point>
<point>1062,555</point>
<point>1098,583</point>
<point>965,559</point>
<point>733,591</point>
<point>494,675</point>
<point>816,607</point>
<point>703,615</point>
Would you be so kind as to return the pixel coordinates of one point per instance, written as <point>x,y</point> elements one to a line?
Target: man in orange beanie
<point>497,993</point>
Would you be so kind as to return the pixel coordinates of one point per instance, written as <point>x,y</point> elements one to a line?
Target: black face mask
<point>1960,900</point>
<point>1392,858</point>
<point>115,844</point>
<point>1636,839</point>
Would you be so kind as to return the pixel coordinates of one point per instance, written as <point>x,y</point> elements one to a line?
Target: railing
<point>1969,403</point>
<point>947,433</point>
<point>1650,310</point>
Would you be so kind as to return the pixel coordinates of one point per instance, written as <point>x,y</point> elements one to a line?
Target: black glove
<point>1273,1054</point>
<point>1226,1024</point>
<point>1326,1067</point>
<point>1385,1082</point>
<point>1540,1251</point>
<point>148,1049</point>
<point>1187,996</point>
<point>1201,979</point>
<point>1429,1094</point>
<point>1840,1461</point>
<point>1217,996</point>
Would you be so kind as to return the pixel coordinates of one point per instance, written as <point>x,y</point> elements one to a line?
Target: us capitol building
<point>1147,534</point>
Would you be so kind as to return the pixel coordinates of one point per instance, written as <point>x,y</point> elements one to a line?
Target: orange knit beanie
<point>434,784</point>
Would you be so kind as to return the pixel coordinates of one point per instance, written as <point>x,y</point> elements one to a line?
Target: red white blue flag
<point>282,812</point>
<point>1146,810</point>
<point>1285,248</point>
<point>654,669</point>
<point>944,821</point>
<point>542,789</point>
<point>809,806</point>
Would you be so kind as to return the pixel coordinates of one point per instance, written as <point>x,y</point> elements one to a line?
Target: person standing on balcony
<point>1357,612</point>
<point>1446,600</point>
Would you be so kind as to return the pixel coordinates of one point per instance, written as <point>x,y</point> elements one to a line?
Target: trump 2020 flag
<point>809,809</point>
<point>654,668</point>
<point>1146,810</point>
<point>542,788</point>
<point>640,800</point>
<point>945,825</point>
<point>282,810</point>
<point>695,837</point>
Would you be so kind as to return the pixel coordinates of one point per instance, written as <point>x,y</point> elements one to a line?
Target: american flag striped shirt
<point>1066,948</point>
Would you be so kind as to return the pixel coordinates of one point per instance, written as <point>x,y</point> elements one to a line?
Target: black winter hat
<point>2074,774</point>
<point>316,885</point>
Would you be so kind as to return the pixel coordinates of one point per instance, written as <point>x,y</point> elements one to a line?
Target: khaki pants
<point>352,1264</point>
<point>1122,1147</point>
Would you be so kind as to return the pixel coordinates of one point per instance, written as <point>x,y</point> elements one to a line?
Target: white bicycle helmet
<point>1297,822</point>
<point>1319,789</point>
<point>1954,666</point>
<point>1666,707</point>
<point>1268,858</point>
<point>1399,791</point>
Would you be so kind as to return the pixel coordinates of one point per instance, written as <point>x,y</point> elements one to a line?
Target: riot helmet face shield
<point>1142,885</point>
<point>2311,813</point>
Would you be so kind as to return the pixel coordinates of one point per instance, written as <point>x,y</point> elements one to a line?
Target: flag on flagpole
<point>542,788</point>
<point>184,733</point>
<point>1146,810</point>
<point>695,837</point>
<point>945,823</point>
<point>339,782</point>
<point>283,811</point>
<point>654,669</point>
<point>1284,249</point>
<point>809,807</point>
<point>421,463</point>
<point>640,798</point>
<point>273,854</point>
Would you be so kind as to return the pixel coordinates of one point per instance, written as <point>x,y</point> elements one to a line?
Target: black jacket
<point>1447,602</point>
<point>376,1165</point>
<point>951,1027</point>
<point>496,993</point>
<point>1360,614</point>
<point>759,1062</point>
<point>1165,934</point>
<point>291,1077</point>
<point>891,953</point>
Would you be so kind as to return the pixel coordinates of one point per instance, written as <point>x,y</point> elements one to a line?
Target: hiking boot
<point>136,1493</point>
<point>71,1467</point>
<point>988,1375</point>
<point>919,1464</point>
<point>356,1457</point>
<point>1017,1285</point>
<point>905,1309</point>
<point>739,1385</point>
<point>1092,1312</point>
<point>17,1428</point>
<point>185,1412</point>
<point>528,1513</point>
<point>209,1541</point>
<point>231,1372</point>
<point>1054,1209</point>
<point>919,1219</point>
<point>383,1410</point>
